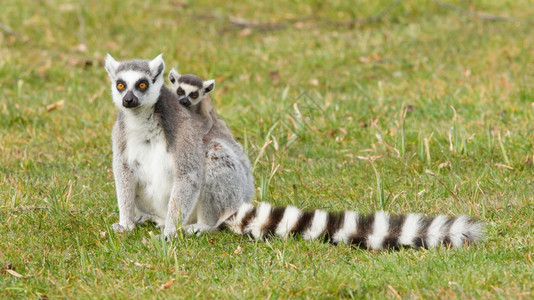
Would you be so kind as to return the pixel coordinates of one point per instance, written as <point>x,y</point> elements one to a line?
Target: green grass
<point>425,111</point>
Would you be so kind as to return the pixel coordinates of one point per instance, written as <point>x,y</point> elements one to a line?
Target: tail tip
<point>476,231</point>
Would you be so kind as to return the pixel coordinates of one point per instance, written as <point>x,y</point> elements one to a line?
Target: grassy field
<point>427,110</point>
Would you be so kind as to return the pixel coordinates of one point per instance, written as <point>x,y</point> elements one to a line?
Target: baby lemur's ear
<point>174,76</point>
<point>208,85</point>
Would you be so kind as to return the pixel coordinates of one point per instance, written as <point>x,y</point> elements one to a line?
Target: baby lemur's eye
<point>121,86</point>
<point>142,85</point>
<point>180,92</point>
<point>194,95</point>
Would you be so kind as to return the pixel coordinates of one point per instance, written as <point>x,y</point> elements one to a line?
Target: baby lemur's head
<point>190,88</point>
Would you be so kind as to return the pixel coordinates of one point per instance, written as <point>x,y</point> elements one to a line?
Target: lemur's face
<point>135,83</point>
<point>189,95</point>
<point>189,89</point>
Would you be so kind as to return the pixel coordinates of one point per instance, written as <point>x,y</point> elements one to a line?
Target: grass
<point>425,111</point>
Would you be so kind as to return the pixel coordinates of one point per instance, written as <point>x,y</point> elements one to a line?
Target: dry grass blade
<point>168,284</point>
<point>15,273</point>
<point>56,105</point>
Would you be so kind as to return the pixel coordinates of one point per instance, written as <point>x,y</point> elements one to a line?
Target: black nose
<point>130,100</point>
<point>185,102</point>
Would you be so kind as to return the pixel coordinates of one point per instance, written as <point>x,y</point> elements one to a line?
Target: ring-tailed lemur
<point>165,170</point>
<point>192,92</point>
<point>163,166</point>
<point>190,88</point>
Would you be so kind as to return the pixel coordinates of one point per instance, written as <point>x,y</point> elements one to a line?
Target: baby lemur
<point>192,92</point>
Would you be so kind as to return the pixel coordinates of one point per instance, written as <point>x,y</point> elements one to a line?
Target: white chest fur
<point>152,166</point>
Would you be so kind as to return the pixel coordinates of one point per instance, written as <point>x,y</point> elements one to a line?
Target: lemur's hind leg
<point>224,188</point>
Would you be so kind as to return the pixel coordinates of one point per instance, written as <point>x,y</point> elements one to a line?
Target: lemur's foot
<point>122,228</point>
<point>198,229</point>
<point>141,219</point>
<point>169,232</point>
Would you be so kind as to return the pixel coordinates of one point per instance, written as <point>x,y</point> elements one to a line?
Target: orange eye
<point>142,85</point>
<point>180,92</point>
<point>120,86</point>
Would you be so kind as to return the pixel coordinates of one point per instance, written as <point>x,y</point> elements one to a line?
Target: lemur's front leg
<point>125,185</point>
<point>184,198</point>
<point>185,190</point>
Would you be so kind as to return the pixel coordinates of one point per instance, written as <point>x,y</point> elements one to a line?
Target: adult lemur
<point>165,170</point>
<point>168,168</point>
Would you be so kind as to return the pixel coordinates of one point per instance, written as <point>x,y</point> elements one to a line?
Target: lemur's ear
<point>174,76</point>
<point>157,66</point>
<point>111,66</point>
<point>208,85</point>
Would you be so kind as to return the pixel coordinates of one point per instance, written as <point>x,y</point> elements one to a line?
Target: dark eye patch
<point>142,84</point>
<point>180,92</point>
<point>194,95</point>
<point>121,85</point>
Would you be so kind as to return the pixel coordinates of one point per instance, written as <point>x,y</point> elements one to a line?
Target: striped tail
<point>375,231</point>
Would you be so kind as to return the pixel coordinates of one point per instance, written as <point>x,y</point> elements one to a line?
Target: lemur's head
<point>135,83</point>
<point>190,88</point>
